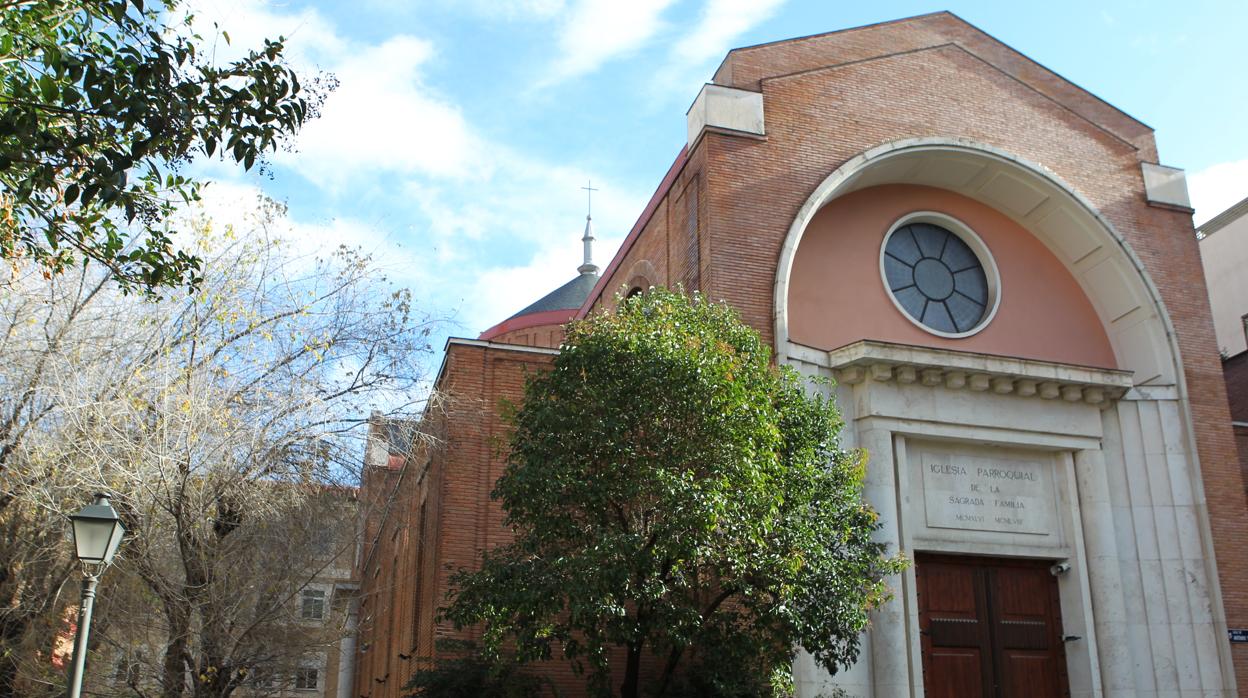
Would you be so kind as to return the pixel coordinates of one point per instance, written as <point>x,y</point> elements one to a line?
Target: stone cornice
<point>1223,219</point>
<point>955,370</point>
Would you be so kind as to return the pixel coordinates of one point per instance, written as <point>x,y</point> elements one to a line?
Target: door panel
<point>957,653</point>
<point>1029,674</point>
<point>955,672</point>
<point>990,628</point>
<point>1026,630</point>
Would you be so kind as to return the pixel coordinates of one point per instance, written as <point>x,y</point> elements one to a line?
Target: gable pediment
<point>749,67</point>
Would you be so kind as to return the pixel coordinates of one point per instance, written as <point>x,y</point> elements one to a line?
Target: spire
<point>588,238</point>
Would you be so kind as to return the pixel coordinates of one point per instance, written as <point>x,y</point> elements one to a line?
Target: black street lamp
<point>97,533</point>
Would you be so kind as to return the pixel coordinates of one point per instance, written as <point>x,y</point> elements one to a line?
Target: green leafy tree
<point>674,493</point>
<point>101,102</point>
<point>461,672</point>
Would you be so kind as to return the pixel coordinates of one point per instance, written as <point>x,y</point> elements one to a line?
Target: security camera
<point>1059,569</point>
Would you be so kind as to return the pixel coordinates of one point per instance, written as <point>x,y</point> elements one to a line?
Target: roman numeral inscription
<point>988,493</point>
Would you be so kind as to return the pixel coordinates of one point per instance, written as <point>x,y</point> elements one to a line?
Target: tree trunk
<point>219,676</point>
<point>173,669</point>
<point>11,632</point>
<point>673,659</point>
<point>631,688</point>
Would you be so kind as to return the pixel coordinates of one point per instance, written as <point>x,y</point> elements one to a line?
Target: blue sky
<point>461,130</point>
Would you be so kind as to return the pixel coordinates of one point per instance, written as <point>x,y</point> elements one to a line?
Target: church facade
<point>1005,286</point>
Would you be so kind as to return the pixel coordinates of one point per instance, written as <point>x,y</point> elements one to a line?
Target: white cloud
<point>311,40</point>
<point>511,10</point>
<point>599,30</point>
<point>467,205</point>
<point>383,118</point>
<point>530,199</point>
<point>526,204</point>
<point>721,22</point>
<point>229,204</point>
<point>237,206</point>
<point>507,290</point>
<point>1217,188</point>
<point>695,54</point>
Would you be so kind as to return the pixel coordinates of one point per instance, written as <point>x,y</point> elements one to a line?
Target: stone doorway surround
<point>900,402</point>
<point>1121,514</point>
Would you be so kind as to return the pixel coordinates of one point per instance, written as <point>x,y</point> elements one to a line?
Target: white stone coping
<point>956,370</point>
<point>725,108</point>
<point>1165,185</point>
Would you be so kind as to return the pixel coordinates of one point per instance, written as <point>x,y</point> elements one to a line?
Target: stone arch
<point>640,275</point>
<point>1129,307</point>
<point>1110,274</point>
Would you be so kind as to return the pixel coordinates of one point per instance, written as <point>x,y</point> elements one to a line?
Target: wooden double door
<point>990,628</point>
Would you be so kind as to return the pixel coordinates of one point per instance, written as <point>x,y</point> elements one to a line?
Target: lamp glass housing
<point>97,532</point>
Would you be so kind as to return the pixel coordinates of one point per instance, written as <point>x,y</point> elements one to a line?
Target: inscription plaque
<point>988,493</point>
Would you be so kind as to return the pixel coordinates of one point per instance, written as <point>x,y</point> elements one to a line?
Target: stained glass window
<point>936,277</point>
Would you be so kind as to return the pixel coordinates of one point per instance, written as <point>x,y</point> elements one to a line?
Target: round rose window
<point>937,279</point>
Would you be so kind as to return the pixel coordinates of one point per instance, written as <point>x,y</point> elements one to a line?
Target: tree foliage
<point>673,493</point>
<point>226,425</point>
<point>459,671</point>
<point>101,101</point>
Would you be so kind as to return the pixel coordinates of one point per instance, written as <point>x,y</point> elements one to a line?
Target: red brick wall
<point>406,574</point>
<point>1235,373</point>
<point>671,249</point>
<point>546,336</point>
<point>747,68</point>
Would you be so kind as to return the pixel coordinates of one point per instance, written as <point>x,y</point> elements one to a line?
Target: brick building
<point>1224,252</point>
<point>998,274</point>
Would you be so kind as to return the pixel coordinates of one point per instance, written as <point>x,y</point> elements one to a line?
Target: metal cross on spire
<point>588,239</point>
<point>589,198</point>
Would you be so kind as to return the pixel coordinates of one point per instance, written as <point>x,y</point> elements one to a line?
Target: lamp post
<point>97,533</point>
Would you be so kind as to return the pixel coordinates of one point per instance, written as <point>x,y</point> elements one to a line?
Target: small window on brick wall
<point>313,604</point>
<point>307,678</point>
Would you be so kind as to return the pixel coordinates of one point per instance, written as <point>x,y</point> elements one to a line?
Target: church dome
<point>569,296</point>
<point>557,307</point>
